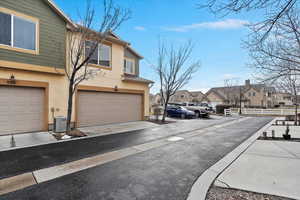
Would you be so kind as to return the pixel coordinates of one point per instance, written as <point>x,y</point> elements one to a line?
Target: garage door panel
<point>21,109</point>
<point>97,108</point>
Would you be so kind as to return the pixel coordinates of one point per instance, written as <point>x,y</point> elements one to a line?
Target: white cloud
<point>225,24</point>
<point>140,28</point>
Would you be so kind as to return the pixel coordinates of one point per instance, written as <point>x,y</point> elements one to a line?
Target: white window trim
<point>133,65</point>
<point>98,56</point>
<point>26,18</point>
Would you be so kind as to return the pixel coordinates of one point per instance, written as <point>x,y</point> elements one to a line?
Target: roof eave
<point>134,52</point>
<point>137,81</point>
<point>60,13</point>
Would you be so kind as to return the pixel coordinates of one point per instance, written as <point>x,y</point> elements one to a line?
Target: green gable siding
<point>52,34</point>
<point>128,54</point>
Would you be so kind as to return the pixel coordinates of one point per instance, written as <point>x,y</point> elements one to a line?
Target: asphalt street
<point>164,173</point>
<point>24,160</point>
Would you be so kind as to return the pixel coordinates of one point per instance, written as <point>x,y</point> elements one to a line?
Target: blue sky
<point>217,39</point>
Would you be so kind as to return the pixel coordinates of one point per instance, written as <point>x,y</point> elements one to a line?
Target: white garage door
<point>21,109</point>
<point>98,108</point>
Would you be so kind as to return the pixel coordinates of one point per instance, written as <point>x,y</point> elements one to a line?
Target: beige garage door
<point>98,108</point>
<point>21,109</point>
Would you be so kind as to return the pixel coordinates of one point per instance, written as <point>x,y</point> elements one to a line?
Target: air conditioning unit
<point>60,124</point>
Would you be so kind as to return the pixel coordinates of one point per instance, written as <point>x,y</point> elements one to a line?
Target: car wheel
<point>197,114</point>
<point>182,116</point>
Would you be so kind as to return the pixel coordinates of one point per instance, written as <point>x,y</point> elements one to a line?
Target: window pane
<point>24,33</point>
<point>129,67</point>
<point>5,29</point>
<point>104,55</point>
<point>124,68</point>
<point>88,47</point>
<point>104,63</point>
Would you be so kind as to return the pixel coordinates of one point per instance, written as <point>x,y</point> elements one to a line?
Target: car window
<point>182,108</point>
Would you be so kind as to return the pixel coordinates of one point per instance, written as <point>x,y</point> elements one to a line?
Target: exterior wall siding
<point>257,100</point>
<point>214,98</point>
<point>113,77</point>
<point>52,35</point>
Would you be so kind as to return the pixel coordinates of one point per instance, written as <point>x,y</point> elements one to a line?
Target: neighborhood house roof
<point>222,92</point>
<point>113,37</point>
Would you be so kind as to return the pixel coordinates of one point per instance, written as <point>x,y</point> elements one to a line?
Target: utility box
<point>60,124</point>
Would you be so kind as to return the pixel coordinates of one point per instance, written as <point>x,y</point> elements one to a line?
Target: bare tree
<point>173,71</point>
<point>231,90</point>
<point>274,10</point>
<point>277,58</point>
<point>279,55</point>
<point>112,17</point>
<point>290,84</point>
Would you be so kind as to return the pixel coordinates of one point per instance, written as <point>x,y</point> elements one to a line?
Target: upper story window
<point>18,32</point>
<point>129,66</point>
<point>253,94</point>
<point>101,55</point>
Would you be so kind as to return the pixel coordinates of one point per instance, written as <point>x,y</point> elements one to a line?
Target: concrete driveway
<point>27,139</point>
<point>165,172</point>
<point>117,128</point>
<point>38,138</point>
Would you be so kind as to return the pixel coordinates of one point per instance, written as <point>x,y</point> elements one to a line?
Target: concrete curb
<point>203,183</point>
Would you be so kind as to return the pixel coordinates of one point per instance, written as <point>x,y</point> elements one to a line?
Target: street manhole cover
<point>174,139</point>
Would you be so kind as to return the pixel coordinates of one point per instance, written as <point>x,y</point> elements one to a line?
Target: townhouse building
<point>33,83</point>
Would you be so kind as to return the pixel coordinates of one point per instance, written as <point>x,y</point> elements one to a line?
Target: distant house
<point>154,99</point>
<point>180,96</point>
<point>284,99</point>
<point>250,95</point>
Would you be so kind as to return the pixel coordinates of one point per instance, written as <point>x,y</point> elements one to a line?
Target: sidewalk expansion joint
<point>15,183</point>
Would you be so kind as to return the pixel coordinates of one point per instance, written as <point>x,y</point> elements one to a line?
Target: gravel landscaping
<point>217,193</point>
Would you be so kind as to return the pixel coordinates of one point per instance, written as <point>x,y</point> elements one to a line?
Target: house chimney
<point>247,83</point>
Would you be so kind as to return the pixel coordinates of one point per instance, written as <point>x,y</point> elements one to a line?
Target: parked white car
<point>201,110</point>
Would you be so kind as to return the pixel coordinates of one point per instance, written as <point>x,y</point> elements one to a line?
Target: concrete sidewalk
<point>26,139</point>
<point>38,138</point>
<point>117,128</point>
<point>269,167</point>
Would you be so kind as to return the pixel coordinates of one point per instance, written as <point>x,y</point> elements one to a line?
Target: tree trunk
<point>70,107</point>
<point>165,113</point>
<point>240,111</point>
<point>296,115</point>
<point>165,109</point>
<point>296,109</point>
